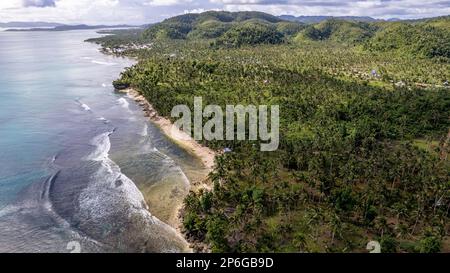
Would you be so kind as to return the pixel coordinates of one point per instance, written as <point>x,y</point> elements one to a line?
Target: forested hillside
<point>365,119</point>
<point>210,24</point>
<point>339,31</point>
<point>428,38</point>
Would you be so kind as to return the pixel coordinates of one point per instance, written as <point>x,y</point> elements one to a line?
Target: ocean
<point>81,168</point>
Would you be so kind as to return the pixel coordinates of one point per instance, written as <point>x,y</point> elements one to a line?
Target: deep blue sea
<point>79,163</point>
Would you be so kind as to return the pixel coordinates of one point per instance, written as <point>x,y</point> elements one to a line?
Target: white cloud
<point>200,10</point>
<point>10,4</point>
<point>157,3</point>
<point>67,11</point>
<point>375,8</point>
<point>147,11</point>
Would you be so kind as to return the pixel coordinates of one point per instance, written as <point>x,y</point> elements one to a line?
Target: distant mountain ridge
<point>319,19</point>
<point>420,37</point>
<point>210,24</point>
<point>69,27</point>
<point>29,24</point>
<point>364,19</point>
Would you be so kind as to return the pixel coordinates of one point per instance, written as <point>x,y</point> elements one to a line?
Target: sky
<point>150,11</point>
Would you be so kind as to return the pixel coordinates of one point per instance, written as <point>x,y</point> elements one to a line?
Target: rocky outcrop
<point>120,85</point>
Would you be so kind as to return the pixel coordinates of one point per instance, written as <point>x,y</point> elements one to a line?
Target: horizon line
<point>179,14</point>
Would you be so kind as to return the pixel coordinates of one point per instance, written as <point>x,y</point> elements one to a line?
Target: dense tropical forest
<point>364,133</point>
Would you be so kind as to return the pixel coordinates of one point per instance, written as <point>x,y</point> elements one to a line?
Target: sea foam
<point>83,105</point>
<point>112,197</point>
<point>103,63</point>
<point>124,103</point>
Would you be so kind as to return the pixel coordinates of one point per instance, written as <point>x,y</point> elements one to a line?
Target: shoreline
<point>205,154</point>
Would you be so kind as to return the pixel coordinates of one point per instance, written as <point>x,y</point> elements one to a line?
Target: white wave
<point>46,240</point>
<point>103,119</point>
<point>83,105</point>
<point>10,209</point>
<point>54,158</point>
<point>103,63</point>
<point>101,154</point>
<point>144,132</point>
<point>167,160</point>
<point>104,85</point>
<point>110,173</point>
<point>113,194</point>
<point>103,145</point>
<point>124,103</point>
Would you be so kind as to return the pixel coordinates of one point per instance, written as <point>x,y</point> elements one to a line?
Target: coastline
<point>205,154</point>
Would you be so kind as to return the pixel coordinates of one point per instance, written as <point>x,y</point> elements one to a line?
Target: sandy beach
<point>205,154</point>
<point>182,139</point>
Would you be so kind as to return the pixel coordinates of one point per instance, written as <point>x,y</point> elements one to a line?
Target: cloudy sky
<point>149,11</point>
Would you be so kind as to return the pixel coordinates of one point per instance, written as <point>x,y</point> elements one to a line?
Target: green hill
<point>429,38</point>
<point>251,32</point>
<point>230,28</point>
<point>424,38</point>
<point>209,29</point>
<point>290,28</point>
<point>318,19</point>
<point>339,31</point>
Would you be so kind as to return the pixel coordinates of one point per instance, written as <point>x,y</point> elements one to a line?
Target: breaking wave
<point>84,106</point>
<point>111,197</point>
<point>103,63</point>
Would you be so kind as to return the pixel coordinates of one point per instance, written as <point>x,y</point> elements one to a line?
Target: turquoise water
<point>37,87</point>
<point>74,154</point>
